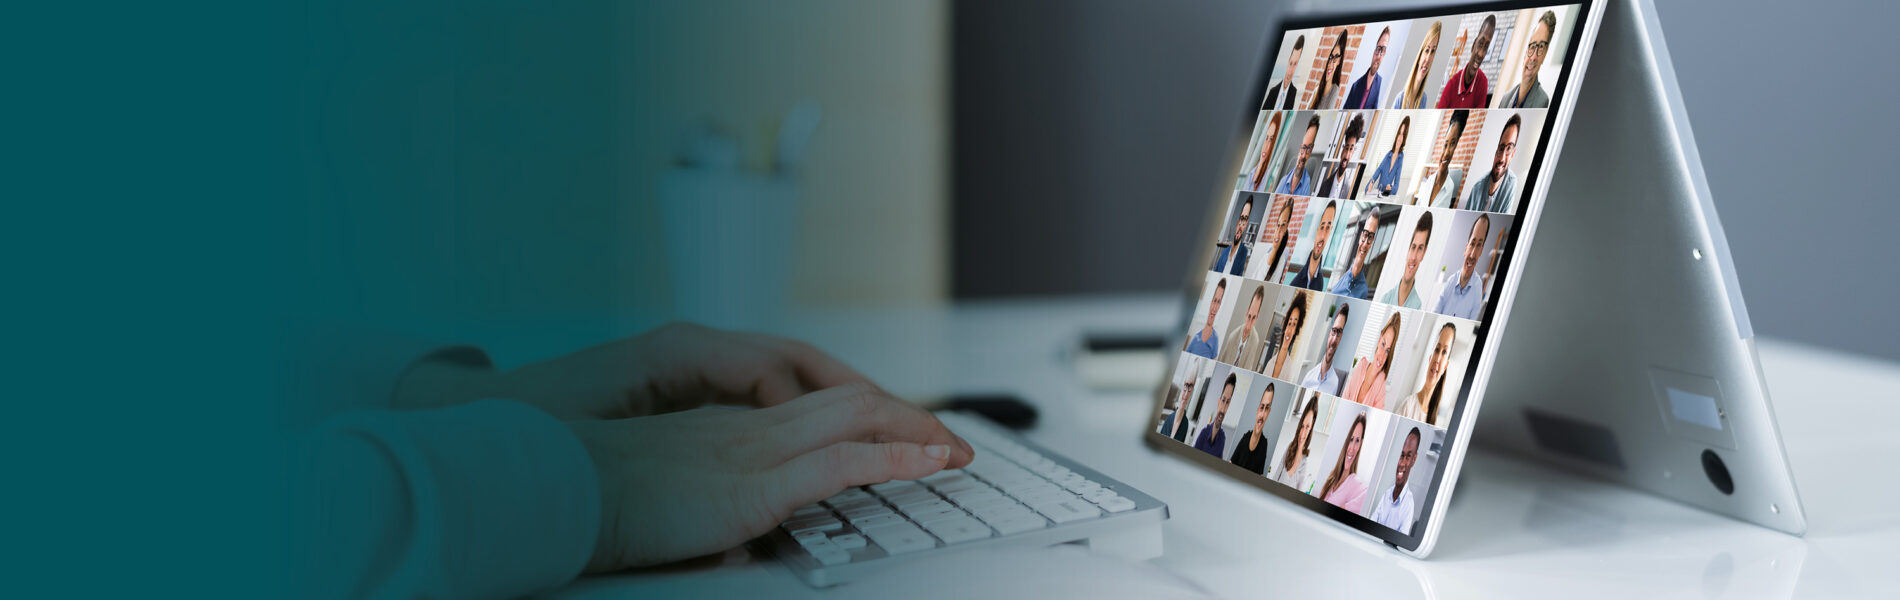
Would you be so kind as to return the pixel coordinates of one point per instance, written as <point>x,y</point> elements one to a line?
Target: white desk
<point>1515,529</point>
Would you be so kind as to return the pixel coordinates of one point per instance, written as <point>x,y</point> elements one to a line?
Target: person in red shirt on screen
<point>1468,88</point>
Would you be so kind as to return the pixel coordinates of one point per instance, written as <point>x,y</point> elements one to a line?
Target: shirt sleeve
<point>493,499</point>
<point>334,367</point>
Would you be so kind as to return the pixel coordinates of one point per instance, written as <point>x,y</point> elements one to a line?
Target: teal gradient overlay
<point>189,182</point>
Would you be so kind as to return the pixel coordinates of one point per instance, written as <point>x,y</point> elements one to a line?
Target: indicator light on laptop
<point>1696,252</point>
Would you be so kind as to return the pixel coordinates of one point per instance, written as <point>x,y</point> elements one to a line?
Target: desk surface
<point>1515,529</point>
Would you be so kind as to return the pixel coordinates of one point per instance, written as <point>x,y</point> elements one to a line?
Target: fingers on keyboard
<point>1009,489</point>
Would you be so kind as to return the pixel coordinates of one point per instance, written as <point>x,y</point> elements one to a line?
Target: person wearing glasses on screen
<point>1244,345</point>
<point>1296,182</point>
<point>1492,193</point>
<point>1338,181</point>
<point>1283,94</point>
<point>1468,88</point>
<point>1444,191</point>
<point>1366,384</point>
<point>1289,336</point>
<point>1206,343</point>
<point>1414,254</point>
<point>1529,93</point>
<point>1414,95</point>
<point>1365,91</point>
<point>1213,438</point>
<point>1282,236</point>
<point>1463,296</point>
<point>1323,376</point>
<point>1258,179</point>
<point>1344,488</point>
<point>1352,283</point>
<point>1296,467</point>
<point>1394,508</point>
<point>1423,406</point>
<point>1309,277</point>
<point>1238,248</point>
<point>1385,180</point>
<point>1327,95</point>
<point>1250,452</point>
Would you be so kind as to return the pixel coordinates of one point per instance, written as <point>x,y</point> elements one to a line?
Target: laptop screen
<point>1372,216</point>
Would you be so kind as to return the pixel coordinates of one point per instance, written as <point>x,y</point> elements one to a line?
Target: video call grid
<point>1464,153</point>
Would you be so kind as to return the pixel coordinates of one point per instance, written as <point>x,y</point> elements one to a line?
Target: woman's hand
<point>690,483</point>
<point>676,367</point>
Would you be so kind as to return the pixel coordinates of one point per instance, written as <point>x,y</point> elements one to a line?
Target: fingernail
<point>937,451</point>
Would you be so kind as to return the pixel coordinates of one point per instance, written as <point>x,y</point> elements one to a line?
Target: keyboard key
<point>1001,511</point>
<point>935,515</point>
<point>849,541</point>
<point>810,510</point>
<point>1068,510</point>
<point>900,538</point>
<point>1117,504</point>
<point>891,487</point>
<point>1019,524</point>
<point>984,465</point>
<point>943,475</point>
<point>1040,500</point>
<point>1034,487</point>
<point>825,523</point>
<point>958,529</point>
<point>869,511</point>
<point>968,497</point>
<point>810,537</point>
<point>847,496</point>
<point>979,488</point>
<point>1099,495</point>
<point>1045,497</point>
<point>924,507</point>
<point>911,497</point>
<point>857,503</point>
<point>876,521</point>
<point>957,485</point>
<point>831,556</point>
<point>983,501</point>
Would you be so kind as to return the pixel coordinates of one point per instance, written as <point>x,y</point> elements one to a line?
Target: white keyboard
<point>1013,493</point>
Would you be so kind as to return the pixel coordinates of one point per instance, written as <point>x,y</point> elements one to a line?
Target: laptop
<point>1376,237</point>
<point>1368,248</point>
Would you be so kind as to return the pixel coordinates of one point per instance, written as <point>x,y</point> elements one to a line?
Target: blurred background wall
<point>873,188</point>
<point>1088,132</point>
<point>485,161</point>
<point>492,162</point>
